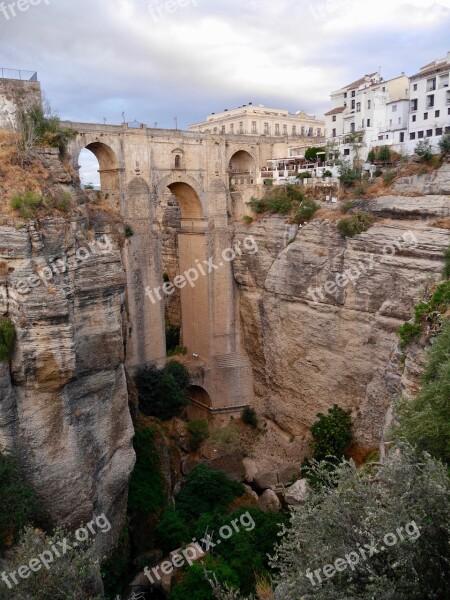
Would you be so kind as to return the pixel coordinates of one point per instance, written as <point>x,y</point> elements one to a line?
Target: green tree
<point>146,492</point>
<point>444,143</point>
<point>424,150</point>
<point>171,530</point>
<point>311,153</point>
<point>195,585</point>
<point>162,392</point>
<point>7,337</point>
<point>384,154</point>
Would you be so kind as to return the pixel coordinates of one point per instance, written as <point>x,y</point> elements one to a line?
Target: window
<point>390,122</point>
<point>266,128</point>
<point>232,128</point>
<point>420,135</point>
<point>369,104</point>
<point>223,128</point>
<point>430,101</point>
<point>437,113</point>
<point>347,152</point>
<point>358,107</point>
<point>447,130</point>
<point>345,94</point>
<point>439,130</point>
<point>319,131</point>
<point>380,137</point>
<point>352,127</point>
<point>277,129</point>
<point>448,97</point>
<point>384,89</point>
<point>253,126</point>
<point>215,129</point>
<point>399,120</point>
<point>334,118</point>
<point>241,127</point>
<point>415,87</point>
<point>443,80</point>
<point>412,136</point>
<point>284,129</point>
<point>448,111</point>
<point>431,84</point>
<point>429,133</point>
<point>402,137</point>
<point>353,104</point>
<point>334,132</point>
<point>414,104</point>
<point>303,131</point>
<point>368,122</point>
<point>177,161</point>
<point>414,118</point>
<point>425,116</point>
<point>353,93</point>
<point>294,130</point>
<point>394,108</point>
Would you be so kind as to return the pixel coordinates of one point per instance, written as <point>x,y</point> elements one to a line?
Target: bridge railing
<point>18,74</point>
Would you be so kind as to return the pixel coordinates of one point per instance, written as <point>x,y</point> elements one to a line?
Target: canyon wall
<point>316,339</point>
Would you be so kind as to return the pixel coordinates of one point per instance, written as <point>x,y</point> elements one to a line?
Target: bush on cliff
<point>162,392</point>
<point>146,492</point>
<point>357,223</point>
<point>7,337</point>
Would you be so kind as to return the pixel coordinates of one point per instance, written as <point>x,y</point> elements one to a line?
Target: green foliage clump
<point>305,175</point>
<point>444,143</point>
<point>249,417</point>
<point>73,574</point>
<point>205,490</point>
<point>195,586</point>
<point>128,231</point>
<point>198,433</point>
<point>306,211</point>
<point>173,332</point>
<point>347,207</point>
<point>378,173</point>
<point>424,150</point>
<point>116,570</point>
<point>348,174</point>
<point>41,129</point>
<point>29,203</point>
<point>424,421</point>
<point>446,271</point>
<point>171,532</point>
<point>384,154</point>
<point>177,351</point>
<point>278,200</point>
<point>357,223</point>
<point>371,156</point>
<point>247,220</point>
<point>162,392</point>
<point>327,173</point>
<point>359,507</point>
<point>331,433</point>
<point>388,177</point>
<point>18,500</point>
<point>146,493</point>
<point>428,311</point>
<point>311,153</point>
<point>7,337</point>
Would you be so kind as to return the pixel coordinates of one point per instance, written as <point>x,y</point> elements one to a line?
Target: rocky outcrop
<point>320,315</point>
<point>297,493</point>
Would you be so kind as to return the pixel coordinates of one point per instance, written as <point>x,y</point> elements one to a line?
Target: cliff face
<point>63,398</point>
<point>321,314</point>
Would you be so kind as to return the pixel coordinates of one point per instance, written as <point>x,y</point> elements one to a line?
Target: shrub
<point>177,351</point>
<point>41,129</point>
<point>205,490</point>
<point>371,156</point>
<point>198,433</point>
<point>444,143</point>
<point>128,231</point>
<point>195,586</point>
<point>279,200</point>
<point>327,173</point>
<point>27,204</point>
<point>331,433</point>
<point>424,150</point>
<point>407,332</point>
<point>227,439</point>
<point>249,417</point>
<point>305,175</point>
<point>247,220</point>
<point>359,507</point>
<point>162,392</point>
<point>388,177</point>
<point>171,532</point>
<point>311,153</point>
<point>347,207</point>
<point>306,211</point>
<point>173,331</point>
<point>446,271</point>
<point>74,573</point>
<point>424,420</point>
<point>7,337</point>
<point>348,174</point>
<point>384,154</point>
<point>146,491</point>
<point>378,173</point>
<point>355,224</point>
<point>117,569</point>
<point>18,500</point>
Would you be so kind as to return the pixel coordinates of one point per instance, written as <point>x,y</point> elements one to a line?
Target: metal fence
<point>18,74</point>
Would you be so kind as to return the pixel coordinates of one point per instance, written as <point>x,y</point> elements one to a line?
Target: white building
<point>374,109</point>
<point>253,119</point>
<point>430,103</point>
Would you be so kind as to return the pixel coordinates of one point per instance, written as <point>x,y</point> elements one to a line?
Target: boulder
<point>250,469</point>
<point>269,501</point>
<point>266,480</point>
<point>296,494</point>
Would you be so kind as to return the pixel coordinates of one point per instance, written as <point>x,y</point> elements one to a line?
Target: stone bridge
<point>181,193</point>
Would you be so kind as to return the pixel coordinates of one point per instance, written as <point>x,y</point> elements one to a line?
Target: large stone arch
<point>188,193</point>
<point>242,162</point>
<point>108,163</point>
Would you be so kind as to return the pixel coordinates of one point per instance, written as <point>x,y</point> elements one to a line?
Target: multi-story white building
<point>429,111</point>
<point>253,119</point>
<point>374,109</point>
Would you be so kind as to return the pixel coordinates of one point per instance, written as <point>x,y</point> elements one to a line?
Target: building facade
<point>260,120</point>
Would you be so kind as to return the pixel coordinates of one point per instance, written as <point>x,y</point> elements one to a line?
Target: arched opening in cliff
<point>180,216</point>
<point>99,167</point>
<point>241,163</point>
<point>199,403</point>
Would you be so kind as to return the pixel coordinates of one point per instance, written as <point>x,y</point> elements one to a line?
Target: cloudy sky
<point>160,59</point>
